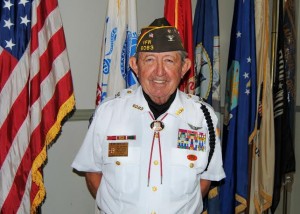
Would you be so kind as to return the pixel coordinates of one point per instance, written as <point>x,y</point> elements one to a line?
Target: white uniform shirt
<point>119,143</point>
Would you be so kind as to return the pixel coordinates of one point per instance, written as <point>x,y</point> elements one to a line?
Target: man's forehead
<point>167,53</point>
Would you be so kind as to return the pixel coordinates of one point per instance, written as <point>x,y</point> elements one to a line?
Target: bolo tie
<point>156,126</point>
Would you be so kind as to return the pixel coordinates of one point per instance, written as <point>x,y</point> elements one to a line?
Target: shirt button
<point>118,163</point>
<point>156,162</point>
<point>191,165</point>
<point>153,212</point>
<point>154,188</point>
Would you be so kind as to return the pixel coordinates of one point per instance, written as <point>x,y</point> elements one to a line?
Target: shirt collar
<point>175,109</point>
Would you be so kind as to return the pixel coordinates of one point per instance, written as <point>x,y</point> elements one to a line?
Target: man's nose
<point>160,70</point>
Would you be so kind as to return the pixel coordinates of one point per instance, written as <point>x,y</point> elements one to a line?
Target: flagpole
<point>274,39</point>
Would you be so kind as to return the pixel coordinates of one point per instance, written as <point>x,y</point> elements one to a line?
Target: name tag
<point>118,149</point>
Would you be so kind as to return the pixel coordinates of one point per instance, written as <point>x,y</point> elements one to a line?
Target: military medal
<point>157,125</point>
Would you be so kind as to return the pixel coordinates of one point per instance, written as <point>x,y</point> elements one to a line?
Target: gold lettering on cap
<point>147,47</point>
<point>147,42</point>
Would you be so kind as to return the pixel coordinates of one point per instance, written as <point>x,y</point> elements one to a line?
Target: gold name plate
<point>117,149</point>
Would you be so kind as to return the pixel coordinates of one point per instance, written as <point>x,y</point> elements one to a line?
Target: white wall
<point>83,24</point>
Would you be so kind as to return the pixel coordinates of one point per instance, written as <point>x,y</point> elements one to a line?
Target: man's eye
<point>169,60</point>
<point>149,60</point>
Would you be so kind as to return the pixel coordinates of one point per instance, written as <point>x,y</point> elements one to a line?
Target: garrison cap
<point>159,36</point>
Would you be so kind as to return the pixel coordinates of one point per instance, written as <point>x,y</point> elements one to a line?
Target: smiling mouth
<point>159,81</point>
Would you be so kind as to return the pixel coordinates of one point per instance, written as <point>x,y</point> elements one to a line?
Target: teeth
<point>159,81</point>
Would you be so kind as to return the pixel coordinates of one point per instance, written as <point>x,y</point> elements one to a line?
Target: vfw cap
<point>159,36</point>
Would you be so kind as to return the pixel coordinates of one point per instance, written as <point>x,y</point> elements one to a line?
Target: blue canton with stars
<point>15,26</point>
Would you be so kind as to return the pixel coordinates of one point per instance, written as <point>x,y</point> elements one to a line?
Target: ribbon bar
<point>122,137</point>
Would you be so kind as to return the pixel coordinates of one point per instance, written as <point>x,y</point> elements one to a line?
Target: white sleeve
<point>87,158</point>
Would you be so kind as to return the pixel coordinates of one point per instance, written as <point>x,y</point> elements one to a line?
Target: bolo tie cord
<point>155,134</point>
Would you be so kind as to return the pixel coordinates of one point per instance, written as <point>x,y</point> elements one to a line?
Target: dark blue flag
<point>207,69</point>
<point>240,108</point>
<point>207,54</point>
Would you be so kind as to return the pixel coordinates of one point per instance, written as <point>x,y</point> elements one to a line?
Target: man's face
<point>160,73</point>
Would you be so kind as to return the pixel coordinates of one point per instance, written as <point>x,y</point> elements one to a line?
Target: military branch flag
<point>289,31</point>
<point>240,108</point>
<point>36,95</point>
<point>207,68</point>
<point>207,51</point>
<point>179,14</point>
<point>284,151</point>
<point>119,44</point>
<point>264,142</point>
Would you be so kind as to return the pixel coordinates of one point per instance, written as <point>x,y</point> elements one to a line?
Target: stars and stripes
<point>36,94</point>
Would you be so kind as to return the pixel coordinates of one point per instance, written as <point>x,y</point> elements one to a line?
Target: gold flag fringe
<point>37,177</point>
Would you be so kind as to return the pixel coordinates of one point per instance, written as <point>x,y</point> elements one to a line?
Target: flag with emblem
<point>284,150</point>
<point>119,44</point>
<point>207,52</point>
<point>207,70</point>
<point>36,95</point>
<point>264,142</point>
<point>179,15</point>
<point>240,108</point>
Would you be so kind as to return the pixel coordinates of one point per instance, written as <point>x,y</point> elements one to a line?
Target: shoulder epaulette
<point>124,93</point>
<point>120,94</point>
<point>198,99</point>
<point>193,97</point>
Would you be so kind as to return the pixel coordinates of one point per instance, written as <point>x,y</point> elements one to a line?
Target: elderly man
<point>153,150</point>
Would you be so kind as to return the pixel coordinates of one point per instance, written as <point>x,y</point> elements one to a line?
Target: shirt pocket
<point>122,173</point>
<point>186,167</point>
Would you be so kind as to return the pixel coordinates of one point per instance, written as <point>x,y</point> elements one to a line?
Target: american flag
<point>36,95</point>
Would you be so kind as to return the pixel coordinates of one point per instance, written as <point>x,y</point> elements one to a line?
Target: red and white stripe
<point>36,94</point>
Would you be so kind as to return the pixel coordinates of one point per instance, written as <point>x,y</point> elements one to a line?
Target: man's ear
<point>186,66</point>
<point>133,65</point>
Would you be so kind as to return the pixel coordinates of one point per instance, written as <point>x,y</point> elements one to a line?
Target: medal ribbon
<point>155,134</point>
